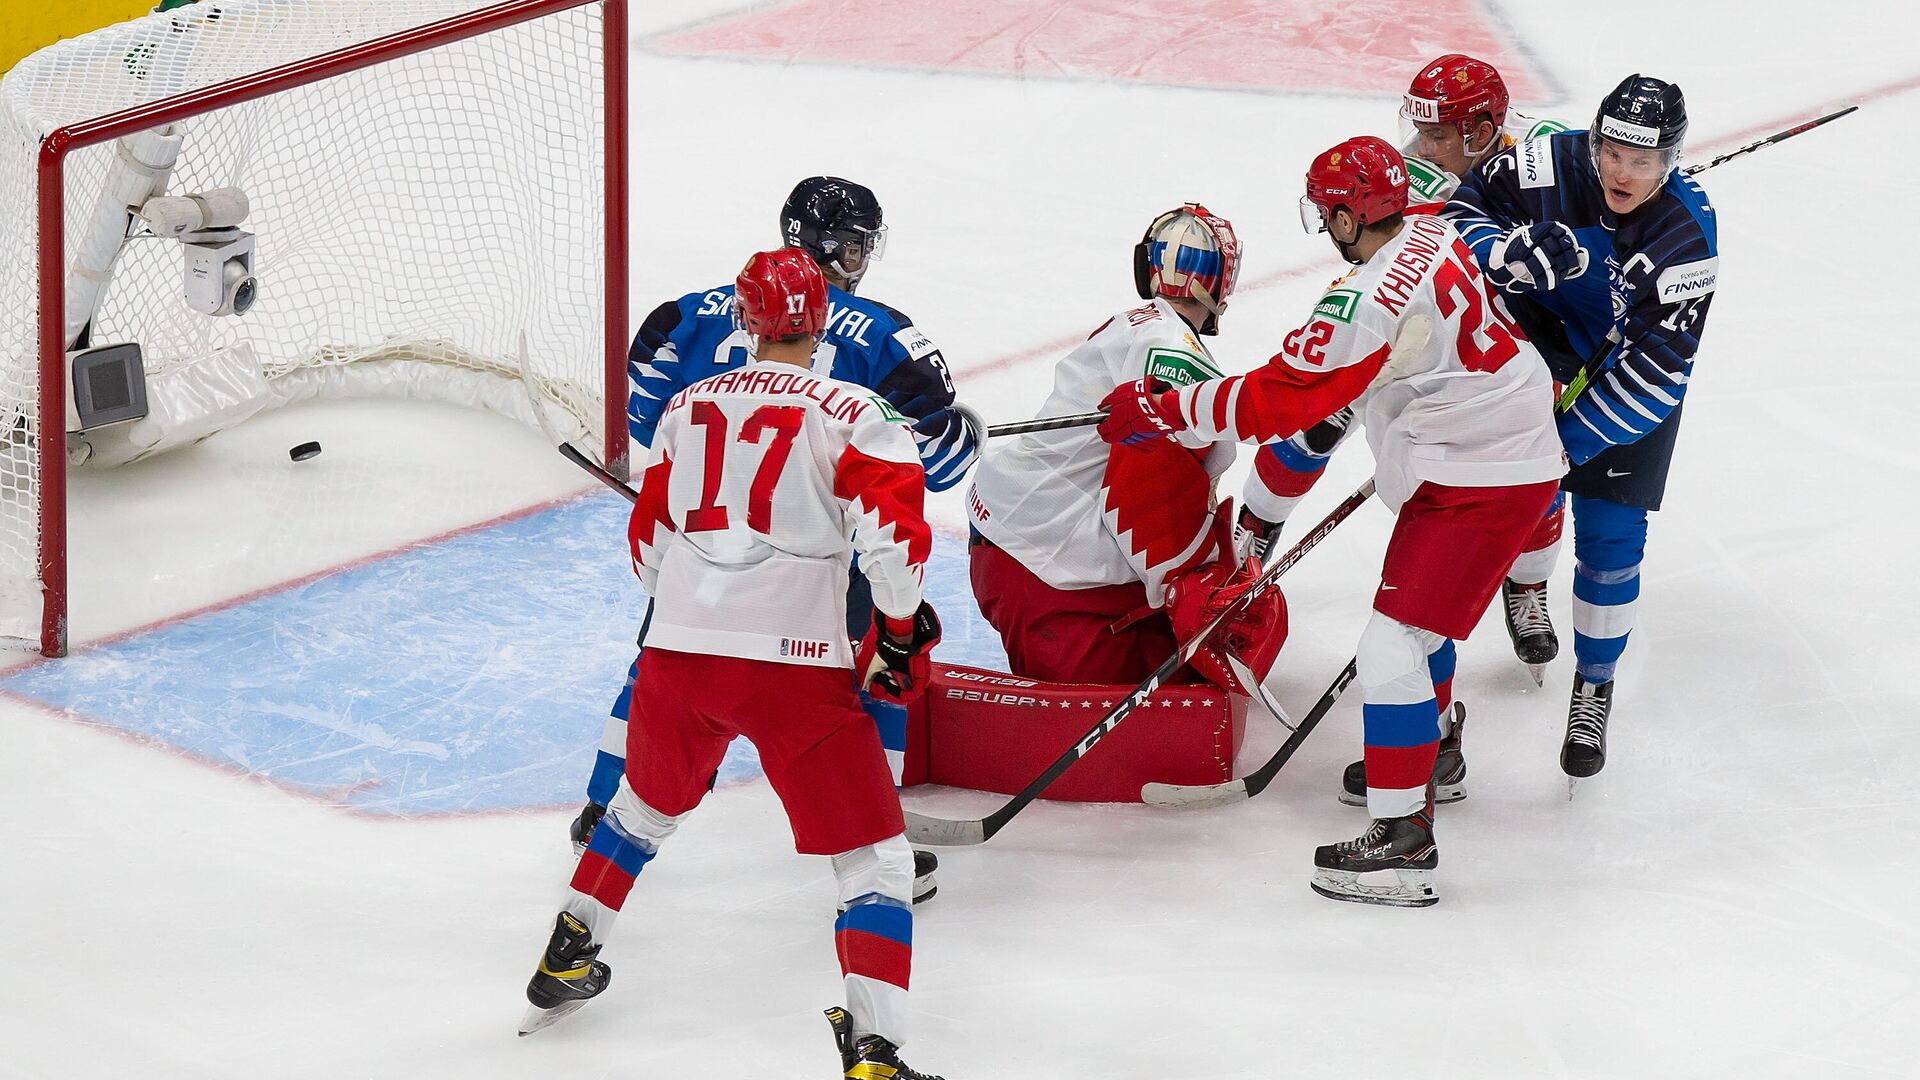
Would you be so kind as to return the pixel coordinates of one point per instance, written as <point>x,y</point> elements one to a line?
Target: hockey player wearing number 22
<point>1458,411</point>
<point>756,479</point>
<point>838,223</point>
<point>1606,251</point>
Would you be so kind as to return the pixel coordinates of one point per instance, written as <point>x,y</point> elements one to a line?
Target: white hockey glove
<point>1536,257</point>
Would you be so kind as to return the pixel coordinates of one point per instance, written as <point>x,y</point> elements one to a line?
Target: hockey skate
<point>1391,863</point>
<point>924,864</point>
<point>1584,752</point>
<point>1449,768</point>
<point>870,1057</point>
<point>568,976</point>
<point>581,828</point>
<point>1529,626</point>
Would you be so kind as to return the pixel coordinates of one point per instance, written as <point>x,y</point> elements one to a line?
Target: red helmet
<point>779,294</point>
<point>1189,253</point>
<point>1364,174</point>
<point>1456,89</point>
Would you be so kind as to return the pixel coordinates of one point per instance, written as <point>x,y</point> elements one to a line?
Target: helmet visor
<point>1312,218</point>
<point>1620,161</point>
<point>855,247</point>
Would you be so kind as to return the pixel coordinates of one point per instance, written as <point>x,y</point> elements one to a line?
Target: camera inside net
<point>218,278</point>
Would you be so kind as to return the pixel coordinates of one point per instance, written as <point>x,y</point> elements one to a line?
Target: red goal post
<point>482,284</point>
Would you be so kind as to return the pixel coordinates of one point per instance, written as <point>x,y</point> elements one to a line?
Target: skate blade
<point>538,1018</point>
<point>1389,888</point>
<point>1539,673</point>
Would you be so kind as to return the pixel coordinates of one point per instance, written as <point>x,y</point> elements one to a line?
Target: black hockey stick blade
<point>943,832</point>
<point>572,453</point>
<point>1046,423</point>
<point>1778,136</point>
<point>1200,796</point>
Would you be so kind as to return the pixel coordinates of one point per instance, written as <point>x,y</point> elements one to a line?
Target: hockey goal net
<point>432,191</point>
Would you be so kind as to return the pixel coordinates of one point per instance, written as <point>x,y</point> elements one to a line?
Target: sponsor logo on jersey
<point>1178,367</point>
<point>1426,179</point>
<point>1542,128</point>
<point>1688,280</point>
<point>1338,305</point>
<point>1632,134</point>
<point>805,648</point>
<point>916,343</point>
<point>1535,162</point>
<point>887,411</point>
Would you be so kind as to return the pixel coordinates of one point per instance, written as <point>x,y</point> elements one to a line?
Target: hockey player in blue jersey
<point>838,223</point>
<point>1607,256</point>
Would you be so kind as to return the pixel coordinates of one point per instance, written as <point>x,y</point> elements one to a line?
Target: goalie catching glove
<point>1253,634</point>
<point>894,659</point>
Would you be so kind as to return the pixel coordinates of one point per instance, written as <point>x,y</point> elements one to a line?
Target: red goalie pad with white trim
<point>990,731</point>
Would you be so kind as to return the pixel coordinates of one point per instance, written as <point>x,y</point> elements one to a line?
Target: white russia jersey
<point>1428,185</point>
<point>1041,498</point>
<point>756,480</point>
<point>1472,407</point>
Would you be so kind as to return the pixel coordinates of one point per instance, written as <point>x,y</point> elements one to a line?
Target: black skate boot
<point>924,864</point>
<point>1449,768</point>
<point>568,974</point>
<point>1391,863</point>
<point>581,828</point>
<point>870,1057</point>
<point>1584,752</point>
<point>1534,641</point>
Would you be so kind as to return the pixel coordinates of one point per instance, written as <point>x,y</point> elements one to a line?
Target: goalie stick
<point>943,832</point>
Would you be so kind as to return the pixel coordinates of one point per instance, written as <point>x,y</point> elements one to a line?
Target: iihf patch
<point>804,649</point>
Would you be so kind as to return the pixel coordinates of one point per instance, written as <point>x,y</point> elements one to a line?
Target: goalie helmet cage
<point>435,185</point>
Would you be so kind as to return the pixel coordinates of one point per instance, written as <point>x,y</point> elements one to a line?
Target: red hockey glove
<point>1253,634</point>
<point>893,659</point>
<point>1140,410</point>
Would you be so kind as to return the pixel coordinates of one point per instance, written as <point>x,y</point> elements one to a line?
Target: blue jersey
<point>1648,284</point>
<point>866,343</point>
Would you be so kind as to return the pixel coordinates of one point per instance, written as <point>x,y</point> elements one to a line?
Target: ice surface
<point>1732,897</point>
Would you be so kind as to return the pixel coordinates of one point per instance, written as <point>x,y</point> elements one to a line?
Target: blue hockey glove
<point>1536,257</point>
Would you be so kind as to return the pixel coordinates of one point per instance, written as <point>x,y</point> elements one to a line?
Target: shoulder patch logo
<point>1535,161</point>
<point>1542,128</point>
<point>1338,305</point>
<point>1178,367</point>
<point>887,411</point>
<point>1688,280</point>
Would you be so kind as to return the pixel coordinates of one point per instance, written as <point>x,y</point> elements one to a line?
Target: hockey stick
<point>1198,796</point>
<point>1046,423</point>
<point>1580,381</point>
<point>567,449</point>
<point>943,832</point>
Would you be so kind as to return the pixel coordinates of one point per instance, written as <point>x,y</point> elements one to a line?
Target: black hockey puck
<point>304,451</point>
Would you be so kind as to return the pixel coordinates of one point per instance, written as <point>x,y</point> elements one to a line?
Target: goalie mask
<point>1189,254</point>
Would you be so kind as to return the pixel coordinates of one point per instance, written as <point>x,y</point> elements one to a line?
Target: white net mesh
<point>430,210</point>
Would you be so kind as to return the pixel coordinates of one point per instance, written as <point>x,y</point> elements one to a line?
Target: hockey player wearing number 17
<point>1602,232</point>
<point>756,480</point>
<point>1458,410</point>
